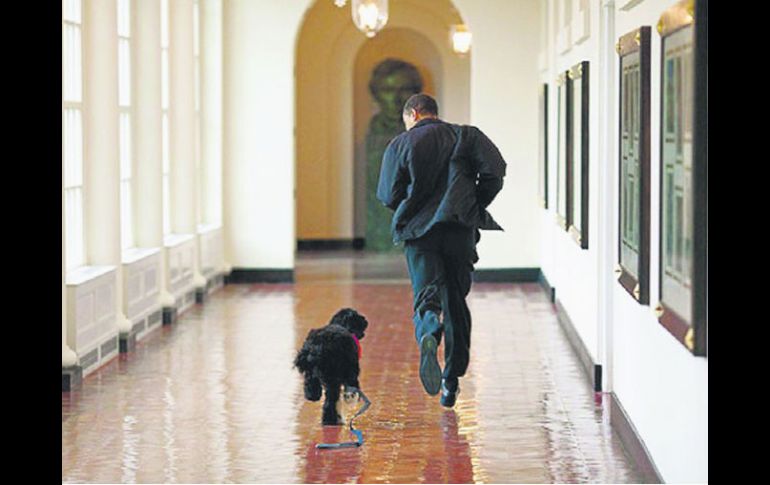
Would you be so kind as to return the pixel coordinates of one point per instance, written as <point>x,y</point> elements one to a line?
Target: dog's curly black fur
<point>329,359</point>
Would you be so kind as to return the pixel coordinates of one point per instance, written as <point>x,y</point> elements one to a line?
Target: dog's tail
<point>304,360</point>
<point>305,363</point>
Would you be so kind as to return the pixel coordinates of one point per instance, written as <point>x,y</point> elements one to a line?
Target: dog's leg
<point>330,414</point>
<point>313,388</point>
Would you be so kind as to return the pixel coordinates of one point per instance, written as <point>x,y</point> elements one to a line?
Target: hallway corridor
<point>214,398</point>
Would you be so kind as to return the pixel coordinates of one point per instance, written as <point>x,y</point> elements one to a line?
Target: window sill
<point>174,240</point>
<point>84,274</point>
<point>133,255</point>
<point>207,228</point>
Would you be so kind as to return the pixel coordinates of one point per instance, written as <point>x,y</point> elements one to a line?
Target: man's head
<point>418,107</point>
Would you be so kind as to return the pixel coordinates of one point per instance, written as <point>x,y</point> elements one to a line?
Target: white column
<point>68,357</point>
<point>102,164</point>
<point>258,102</point>
<point>182,117</point>
<point>148,133</point>
<point>211,109</point>
<point>184,183</point>
<point>148,148</point>
<point>606,172</point>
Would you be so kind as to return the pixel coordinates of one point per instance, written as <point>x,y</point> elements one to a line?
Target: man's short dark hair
<point>422,104</point>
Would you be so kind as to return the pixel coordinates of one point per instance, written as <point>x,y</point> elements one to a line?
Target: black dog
<point>329,358</point>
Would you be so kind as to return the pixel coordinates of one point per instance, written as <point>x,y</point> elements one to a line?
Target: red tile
<point>214,398</point>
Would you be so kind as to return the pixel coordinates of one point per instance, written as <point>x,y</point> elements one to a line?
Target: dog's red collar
<point>358,344</point>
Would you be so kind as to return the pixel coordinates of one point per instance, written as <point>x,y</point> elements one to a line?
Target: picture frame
<point>579,149</point>
<point>683,185</point>
<point>633,265</point>
<point>563,154</point>
<point>542,187</point>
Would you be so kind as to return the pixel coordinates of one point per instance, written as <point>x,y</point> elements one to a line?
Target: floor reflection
<point>214,398</point>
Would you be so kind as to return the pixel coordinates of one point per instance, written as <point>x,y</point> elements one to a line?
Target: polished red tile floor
<point>214,399</point>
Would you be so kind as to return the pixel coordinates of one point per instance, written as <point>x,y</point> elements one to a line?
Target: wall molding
<point>632,441</point>
<point>506,275</point>
<point>591,368</point>
<point>619,420</point>
<point>71,378</point>
<point>127,342</point>
<point>546,285</point>
<point>261,275</point>
<point>330,244</point>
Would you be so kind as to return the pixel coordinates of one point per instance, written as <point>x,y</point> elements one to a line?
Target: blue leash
<point>347,444</point>
<point>357,433</point>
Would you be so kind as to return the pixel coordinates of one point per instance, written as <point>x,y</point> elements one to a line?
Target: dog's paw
<point>313,389</point>
<point>352,394</point>
<point>329,419</point>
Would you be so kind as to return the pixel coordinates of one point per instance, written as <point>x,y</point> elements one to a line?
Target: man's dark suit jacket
<point>440,172</point>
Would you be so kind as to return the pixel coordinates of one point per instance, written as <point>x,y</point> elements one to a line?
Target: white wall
<point>663,388</point>
<point>258,90</point>
<point>504,84</point>
<point>562,258</point>
<point>259,119</point>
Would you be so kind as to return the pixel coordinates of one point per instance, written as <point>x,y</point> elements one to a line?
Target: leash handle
<point>363,409</point>
<point>353,391</point>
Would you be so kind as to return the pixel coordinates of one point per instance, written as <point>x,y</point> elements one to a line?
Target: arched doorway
<point>333,106</point>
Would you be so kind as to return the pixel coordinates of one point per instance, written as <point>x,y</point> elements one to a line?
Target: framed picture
<point>563,155</point>
<point>634,181</point>
<point>542,186</point>
<point>578,217</point>
<point>683,187</point>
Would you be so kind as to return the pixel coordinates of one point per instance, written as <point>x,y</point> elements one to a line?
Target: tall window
<point>72,130</point>
<point>197,55</point>
<point>165,91</point>
<point>124,102</point>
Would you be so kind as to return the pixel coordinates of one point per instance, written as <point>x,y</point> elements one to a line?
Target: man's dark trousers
<point>440,267</point>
